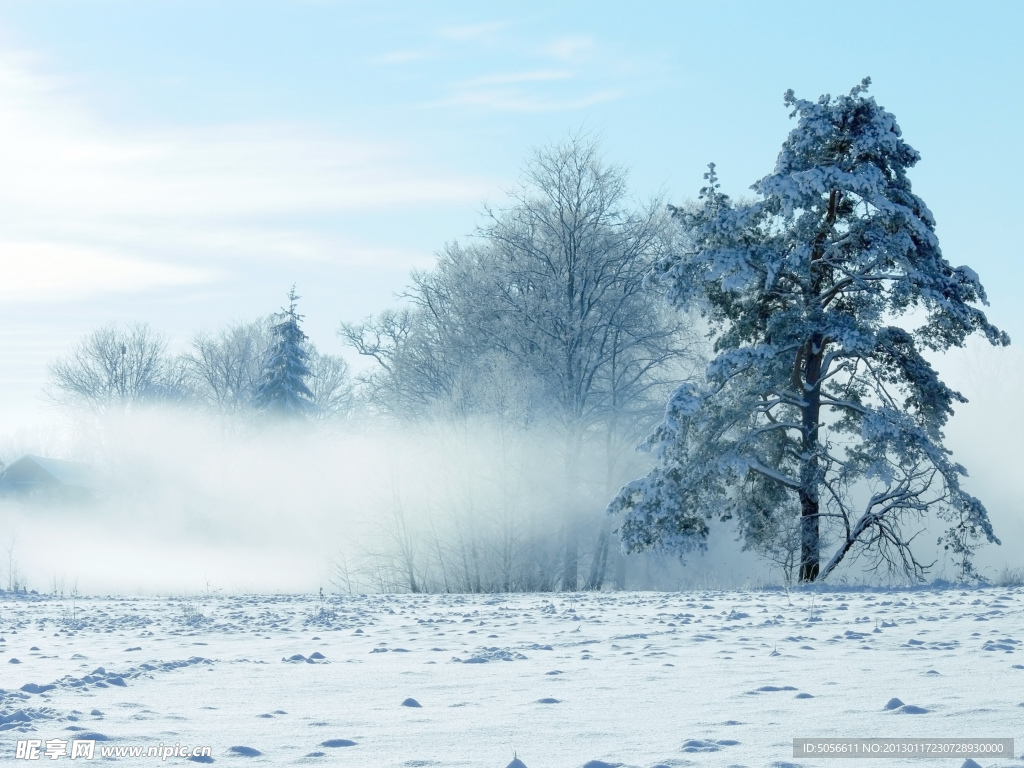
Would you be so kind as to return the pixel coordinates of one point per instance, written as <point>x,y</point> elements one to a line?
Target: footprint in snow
<point>411,703</point>
<point>200,759</point>
<point>548,700</point>
<point>600,764</point>
<point>337,743</point>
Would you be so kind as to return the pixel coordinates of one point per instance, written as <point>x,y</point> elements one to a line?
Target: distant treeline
<point>539,330</point>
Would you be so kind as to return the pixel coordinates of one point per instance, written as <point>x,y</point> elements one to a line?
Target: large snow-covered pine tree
<point>819,423</point>
<point>282,386</point>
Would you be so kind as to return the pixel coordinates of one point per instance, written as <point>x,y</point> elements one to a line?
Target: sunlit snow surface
<point>637,679</point>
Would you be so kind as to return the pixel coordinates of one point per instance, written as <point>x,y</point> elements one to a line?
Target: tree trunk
<point>570,566</point>
<point>620,571</point>
<point>570,561</point>
<point>810,554</point>
<point>810,543</point>
<point>599,563</point>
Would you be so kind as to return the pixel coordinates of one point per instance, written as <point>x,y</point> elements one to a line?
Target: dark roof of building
<point>32,470</point>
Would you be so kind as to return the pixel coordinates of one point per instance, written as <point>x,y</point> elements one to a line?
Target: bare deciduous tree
<point>331,385</point>
<point>117,368</point>
<point>554,285</point>
<point>226,365</point>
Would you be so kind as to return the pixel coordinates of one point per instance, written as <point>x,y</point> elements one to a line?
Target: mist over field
<point>191,503</point>
<point>188,503</point>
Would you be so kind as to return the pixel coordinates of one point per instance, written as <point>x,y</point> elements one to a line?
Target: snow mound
<point>910,709</point>
<point>707,745</point>
<point>314,658</point>
<point>245,751</point>
<point>484,655</point>
<point>1006,644</point>
<point>23,719</point>
<point>34,688</point>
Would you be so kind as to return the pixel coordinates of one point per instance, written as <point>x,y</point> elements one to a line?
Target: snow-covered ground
<point>635,678</point>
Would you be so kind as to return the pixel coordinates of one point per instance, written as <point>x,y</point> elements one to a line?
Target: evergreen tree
<point>282,387</point>
<point>819,407</point>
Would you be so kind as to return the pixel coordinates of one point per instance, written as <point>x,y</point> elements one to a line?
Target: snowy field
<point>633,679</point>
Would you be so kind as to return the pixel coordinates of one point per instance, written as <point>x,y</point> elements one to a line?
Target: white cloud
<point>572,48</point>
<point>515,100</point>
<point>96,208</point>
<point>34,272</point>
<point>533,76</point>
<point>400,57</point>
<point>471,32</point>
<point>570,76</point>
<point>235,171</point>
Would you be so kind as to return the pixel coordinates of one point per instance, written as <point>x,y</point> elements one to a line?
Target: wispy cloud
<point>573,48</point>
<point>533,76</point>
<point>509,100</point>
<point>39,271</point>
<point>562,75</point>
<point>400,57</point>
<point>471,32</point>
<point>86,209</point>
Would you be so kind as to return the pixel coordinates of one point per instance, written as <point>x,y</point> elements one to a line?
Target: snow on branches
<point>819,407</point>
<point>282,387</point>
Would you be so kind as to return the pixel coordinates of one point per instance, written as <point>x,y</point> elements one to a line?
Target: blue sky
<point>186,162</point>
